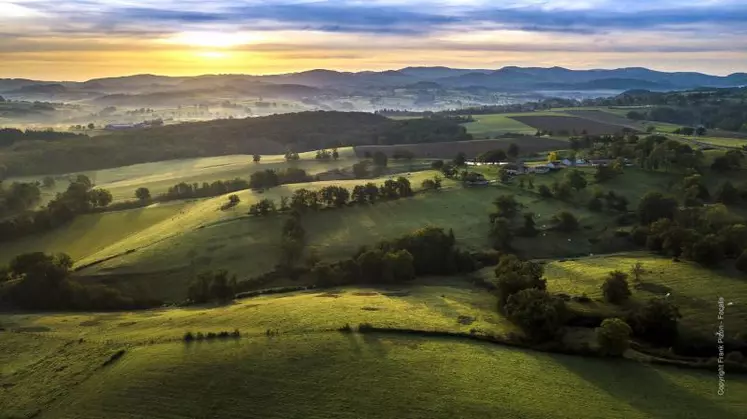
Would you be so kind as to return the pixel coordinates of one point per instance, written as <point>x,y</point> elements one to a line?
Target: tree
<point>575,178</point>
<point>233,199</point>
<point>654,206</point>
<point>500,234</point>
<point>360,170</point>
<point>708,250</point>
<point>565,221</point>
<point>741,262</point>
<point>506,206</point>
<point>335,154</point>
<point>613,336</point>
<point>615,288</point>
<point>538,313</point>
<point>514,275</point>
<point>100,197</point>
<point>223,287</point>
<point>701,131</point>
<point>460,159</point>
<point>437,164</point>
<point>428,184</point>
<point>48,182</point>
<point>544,191</point>
<point>291,156</point>
<point>529,228</point>
<point>561,190</point>
<point>256,158</point>
<point>91,126</point>
<point>637,271</point>
<point>513,151</point>
<point>371,265</point>
<point>397,267</point>
<point>552,156</point>
<point>604,173</point>
<point>143,194</point>
<point>492,156</point>
<point>727,194</point>
<point>656,321</point>
<point>380,159</point>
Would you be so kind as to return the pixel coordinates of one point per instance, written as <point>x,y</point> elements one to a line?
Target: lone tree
<point>637,271</point>
<point>614,336</point>
<point>256,158</point>
<point>143,194</point>
<point>576,179</point>
<point>615,288</point>
<point>513,151</point>
<point>654,206</point>
<point>565,221</point>
<point>460,159</point>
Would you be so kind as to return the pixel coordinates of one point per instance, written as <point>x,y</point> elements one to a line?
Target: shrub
<point>615,287</point>
<point>614,336</point>
<point>189,337</point>
<point>346,328</point>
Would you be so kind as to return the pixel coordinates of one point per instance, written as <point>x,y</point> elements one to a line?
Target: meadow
<point>60,365</point>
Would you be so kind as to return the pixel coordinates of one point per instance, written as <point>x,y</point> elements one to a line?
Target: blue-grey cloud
<point>420,17</point>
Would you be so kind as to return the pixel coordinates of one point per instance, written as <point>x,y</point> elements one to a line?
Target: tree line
<point>38,281</point>
<point>80,197</point>
<point>10,136</point>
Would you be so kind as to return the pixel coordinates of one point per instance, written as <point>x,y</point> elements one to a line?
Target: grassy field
<point>54,366</point>
<point>694,289</point>
<point>160,176</point>
<point>90,233</point>
<point>527,145</point>
<point>249,246</point>
<point>487,126</point>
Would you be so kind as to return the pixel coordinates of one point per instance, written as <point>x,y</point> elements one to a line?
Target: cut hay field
<point>487,126</point>
<point>160,176</point>
<point>447,150</point>
<point>570,124</point>
<point>694,289</point>
<point>307,372</point>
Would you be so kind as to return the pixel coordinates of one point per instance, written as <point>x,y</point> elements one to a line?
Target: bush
<point>614,336</point>
<point>189,337</point>
<point>615,288</point>
<point>514,275</point>
<point>544,191</point>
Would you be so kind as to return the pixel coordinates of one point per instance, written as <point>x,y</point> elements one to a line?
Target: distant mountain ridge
<point>510,78</point>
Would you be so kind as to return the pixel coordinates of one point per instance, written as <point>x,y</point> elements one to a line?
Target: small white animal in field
<point>569,239</point>
<point>668,294</point>
<point>730,304</point>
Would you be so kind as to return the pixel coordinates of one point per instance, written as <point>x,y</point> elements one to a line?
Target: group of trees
<point>726,115</point>
<point>325,154</point>
<point>705,234</point>
<point>10,136</point>
<point>428,251</point>
<point>611,200</point>
<point>79,198</point>
<point>498,155</point>
<point>42,282</point>
<point>265,179</point>
<point>187,191</point>
<point>209,286</point>
<point>19,196</point>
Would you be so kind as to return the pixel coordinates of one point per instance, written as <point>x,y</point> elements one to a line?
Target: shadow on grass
<point>644,388</point>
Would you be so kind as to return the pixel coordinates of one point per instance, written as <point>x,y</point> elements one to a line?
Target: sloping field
<point>90,233</point>
<point>608,118</point>
<point>160,176</point>
<point>308,371</point>
<point>250,246</point>
<point>528,144</point>
<point>496,124</point>
<point>571,124</point>
<point>694,289</point>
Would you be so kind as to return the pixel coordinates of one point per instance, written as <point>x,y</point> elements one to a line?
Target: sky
<point>84,39</point>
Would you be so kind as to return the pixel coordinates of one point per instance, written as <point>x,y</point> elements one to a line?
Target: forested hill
<point>274,134</point>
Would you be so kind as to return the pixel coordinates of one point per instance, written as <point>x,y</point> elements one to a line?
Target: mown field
<point>54,365</point>
<point>160,176</point>
<point>570,124</point>
<point>491,125</point>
